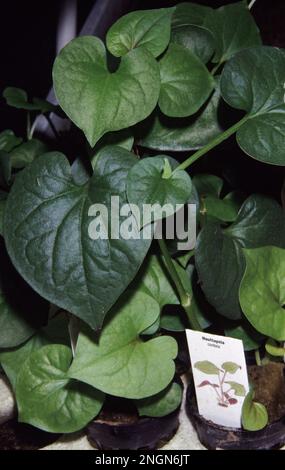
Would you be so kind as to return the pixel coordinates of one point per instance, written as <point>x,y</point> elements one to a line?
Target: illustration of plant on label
<point>224,389</point>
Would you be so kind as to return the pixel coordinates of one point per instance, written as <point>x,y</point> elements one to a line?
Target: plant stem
<point>216,141</point>
<point>257,357</point>
<point>185,298</point>
<point>32,130</point>
<point>250,5</point>
<point>216,68</point>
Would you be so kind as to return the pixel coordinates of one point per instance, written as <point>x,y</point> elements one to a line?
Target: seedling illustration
<point>225,388</point>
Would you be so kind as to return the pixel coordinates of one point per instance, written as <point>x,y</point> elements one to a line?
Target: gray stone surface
<point>7,403</point>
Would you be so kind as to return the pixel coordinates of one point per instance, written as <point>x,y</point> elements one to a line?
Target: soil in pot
<point>20,436</point>
<point>119,426</point>
<point>269,385</point>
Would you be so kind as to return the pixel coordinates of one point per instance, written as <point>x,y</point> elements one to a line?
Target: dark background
<point>28,37</point>
<point>28,32</point>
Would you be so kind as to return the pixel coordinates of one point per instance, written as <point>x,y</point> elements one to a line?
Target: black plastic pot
<point>109,432</point>
<point>214,436</point>
<point>146,433</point>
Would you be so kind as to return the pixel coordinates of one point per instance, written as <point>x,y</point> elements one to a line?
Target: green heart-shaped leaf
<point>161,404</point>
<point>164,133</point>
<point>48,399</point>
<point>219,256</point>
<point>225,209</point>
<point>51,236</point>
<point>12,359</point>
<point>254,415</point>
<point>253,80</point>
<point>262,291</point>
<point>195,38</point>
<point>98,101</point>
<point>120,363</point>
<point>147,28</point>
<point>149,184</point>
<point>188,29</point>
<point>233,28</point>
<point>185,82</point>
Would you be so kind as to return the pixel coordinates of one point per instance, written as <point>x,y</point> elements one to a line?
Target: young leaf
<point>18,98</point>
<point>146,185</point>
<point>185,82</point>
<point>262,291</point>
<point>164,133</point>
<point>60,258</point>
<point>225,209</point>
<point>25,153</point>
<point>207,367</point>
<point>48,399</point>
<point>161,404</point>
<point>253,80</point>
<point>98,101</point>
<point>219,258</point>
<point>254,415</point>
<point>188,29</point>
<point>239,389</point>
<point>147,28</point>
<point>120,363</point>
<point>231,367</point>
<point>233,28</point>
<point>8,140</point>
<point>273,349</point>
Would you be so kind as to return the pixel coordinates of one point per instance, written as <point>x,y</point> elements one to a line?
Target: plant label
<point>220,376</point>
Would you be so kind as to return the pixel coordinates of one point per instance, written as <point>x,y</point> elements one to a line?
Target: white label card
<point>220,376</point>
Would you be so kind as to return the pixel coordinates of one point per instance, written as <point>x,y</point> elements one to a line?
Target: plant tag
<point>220,376</point>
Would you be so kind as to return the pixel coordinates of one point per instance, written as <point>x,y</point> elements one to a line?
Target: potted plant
<point>101,356</point>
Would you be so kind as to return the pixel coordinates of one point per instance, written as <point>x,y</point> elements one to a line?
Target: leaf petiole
<point>213,143</point>
<point>184,296</point>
